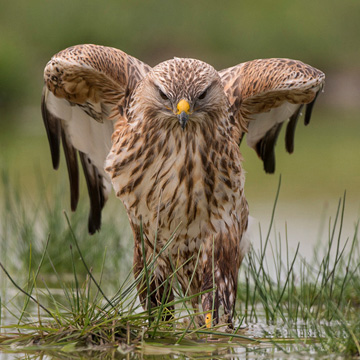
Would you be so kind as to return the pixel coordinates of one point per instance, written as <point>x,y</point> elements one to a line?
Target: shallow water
<point>210,347</point>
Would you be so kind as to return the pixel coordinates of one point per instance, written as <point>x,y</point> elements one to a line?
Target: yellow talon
<point>208,320</point>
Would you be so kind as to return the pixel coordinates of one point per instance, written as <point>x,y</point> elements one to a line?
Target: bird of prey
<point>167,139</point>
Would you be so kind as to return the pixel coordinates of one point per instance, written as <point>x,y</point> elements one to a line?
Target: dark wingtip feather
<point>52,126</point>
<point>96,195</point>
<point>265,148</point>
<point>73,169</point>
<point>290,130</point>
<point>309,108</point>
<point>269,163</point>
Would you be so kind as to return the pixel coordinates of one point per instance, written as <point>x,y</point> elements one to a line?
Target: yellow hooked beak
<point>208,320</point>
<point>183,108</point>
<point>182,105</point>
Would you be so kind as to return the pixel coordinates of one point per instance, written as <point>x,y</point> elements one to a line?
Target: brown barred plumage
<point>170,136</point>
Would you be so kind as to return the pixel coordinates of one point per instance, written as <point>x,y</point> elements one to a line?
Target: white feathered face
<point>182,91</point>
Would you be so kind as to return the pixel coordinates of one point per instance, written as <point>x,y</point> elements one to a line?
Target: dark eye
<point>203,94</point>
<point>163,95</point>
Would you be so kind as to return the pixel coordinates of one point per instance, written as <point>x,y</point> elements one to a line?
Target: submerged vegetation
<point>71,298</point>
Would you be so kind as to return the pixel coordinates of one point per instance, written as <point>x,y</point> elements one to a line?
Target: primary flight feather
<point>167,139</point>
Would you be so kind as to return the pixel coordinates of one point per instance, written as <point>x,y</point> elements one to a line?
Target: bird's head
<point>180,92</point>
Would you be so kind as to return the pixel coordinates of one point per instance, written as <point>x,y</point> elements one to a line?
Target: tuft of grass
<point>317,300</point>
<point>86,317</point>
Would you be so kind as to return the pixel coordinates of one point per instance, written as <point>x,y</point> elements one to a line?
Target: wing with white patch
<point>266,93</point>
<point>85,91</point>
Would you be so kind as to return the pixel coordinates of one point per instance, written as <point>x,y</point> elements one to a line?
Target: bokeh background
<point>323,33</point>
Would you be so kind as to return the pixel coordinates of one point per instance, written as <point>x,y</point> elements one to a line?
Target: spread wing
<point>266,93</point>
<point>86,87</point>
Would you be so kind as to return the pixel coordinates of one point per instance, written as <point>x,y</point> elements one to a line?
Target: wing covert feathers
<point>267,92</point>
<point>92,73</point>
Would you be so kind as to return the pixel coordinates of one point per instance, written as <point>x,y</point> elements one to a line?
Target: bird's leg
<point>210,299</point>
<point>210,305</point>
<point>219,281</point>
<point>228,314</point>
<point>199,319</point>
<point>163,294</point>
<point>160,291</point>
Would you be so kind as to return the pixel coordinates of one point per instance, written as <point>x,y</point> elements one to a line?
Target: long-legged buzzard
<point>168,138</point>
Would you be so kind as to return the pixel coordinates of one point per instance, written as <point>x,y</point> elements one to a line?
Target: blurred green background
<point>323,33</point>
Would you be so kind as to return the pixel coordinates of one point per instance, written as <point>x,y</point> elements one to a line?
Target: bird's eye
<point>203,94</point>
<point>163,95</point>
